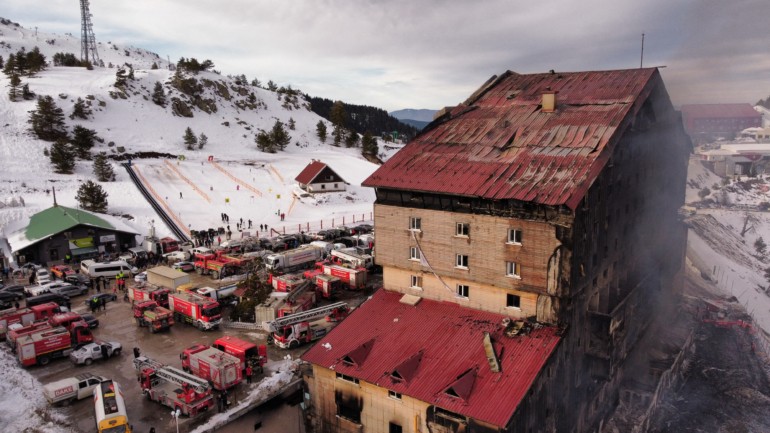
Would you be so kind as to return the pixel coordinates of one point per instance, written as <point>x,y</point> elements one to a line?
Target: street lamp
<point>175,414</point>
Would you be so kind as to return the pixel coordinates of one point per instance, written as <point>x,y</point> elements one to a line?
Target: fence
<point>307,227</point>
<point>162,202</point>
<point>189,182</point>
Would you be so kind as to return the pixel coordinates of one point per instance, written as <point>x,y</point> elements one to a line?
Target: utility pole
<point>87,39</point>
<point>641,60</point>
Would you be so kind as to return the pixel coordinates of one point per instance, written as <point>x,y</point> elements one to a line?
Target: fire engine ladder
<point>298,291</point>
<point>304,316</point>
<point>172,374</point>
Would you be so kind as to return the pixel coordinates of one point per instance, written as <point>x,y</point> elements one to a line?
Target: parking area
<point>116,323</point>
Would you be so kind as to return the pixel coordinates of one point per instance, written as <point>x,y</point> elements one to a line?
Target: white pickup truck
<point>93,351</point>
<point>67,390</point>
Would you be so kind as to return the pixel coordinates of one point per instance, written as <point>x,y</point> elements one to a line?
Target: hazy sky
<point>398,54</point>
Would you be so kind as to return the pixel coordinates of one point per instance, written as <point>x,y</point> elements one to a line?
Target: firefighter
<point>249,372</point>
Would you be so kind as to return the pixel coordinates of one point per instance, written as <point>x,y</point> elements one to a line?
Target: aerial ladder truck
<point>288,332</point>
<point>173,387</point>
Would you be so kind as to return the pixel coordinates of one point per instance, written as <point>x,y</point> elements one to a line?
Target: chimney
<point>54,196</point>
<point>549,101</point>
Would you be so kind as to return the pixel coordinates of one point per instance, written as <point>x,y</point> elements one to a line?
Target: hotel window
<point>463,290</point>
<point>415,223</point>
<point>514,236</point>
<point>414,253</point>
<point>463,229</point>
<point>461,261</point>
<point>394,394</point>
<point>512,301</point>
<point>416,282</point>
<point>512,269</point>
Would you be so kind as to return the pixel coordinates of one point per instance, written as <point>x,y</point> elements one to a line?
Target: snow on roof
<point>434,352</point>
<point>25,232</point>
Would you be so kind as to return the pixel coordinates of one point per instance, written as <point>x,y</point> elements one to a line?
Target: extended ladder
<point>172,374</point>
<point>305,316</point>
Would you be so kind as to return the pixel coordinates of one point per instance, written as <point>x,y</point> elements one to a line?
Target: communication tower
<point>87,38</point>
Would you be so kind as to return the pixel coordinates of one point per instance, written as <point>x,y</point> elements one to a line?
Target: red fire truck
<point>246,352</point>
<point>43,346</point>
<point>221,369</point>
<point>149,293</point>
<point>202,312</point>
<point>290,331</point>
<point>285,283</point>
<point>153,316</point>
<point>173,387</point>
<point>219,264</point>
<point>12,316</point>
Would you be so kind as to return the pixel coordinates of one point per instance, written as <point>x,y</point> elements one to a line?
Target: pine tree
<point>48,120</point>
<point>351,138</point>
<point>92,197</point>
<point>35,61</point>
<point>14,93</point>
<point>292,124</point>
<point>337,116</point>
<point>120,78</point>
<point>1,62</point>
<point>83,140</point>
<point>130,72</point>
<point>10,65</point>
<point>760,246</point>
<point>189,139</point>
<point>159,95</point>
<point>279,136</point>
<point>103,169</point>
<point>369,145</point>
<point>264,142</point>
<point>154,66</point>
<point>62,157</point>
<point>320,129</point>
<point>272,86</point>
<point>202,141</point>
<point>27,94</point>
<point>80,110</point>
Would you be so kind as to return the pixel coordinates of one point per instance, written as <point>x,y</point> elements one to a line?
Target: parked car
<point>61,271</point>
<point>39,289</point>
<point>78,279</point>
<point>177,255</point>
<point>16,289</point>
<point>184,266</point>
<point>42,276</point>
<point>362,228</point>
<point>141,277</point>
<point>70,290</point>
<point>8,298</point>
<point>94,351</point>
<point>107,297</point>
<point>92,321</point>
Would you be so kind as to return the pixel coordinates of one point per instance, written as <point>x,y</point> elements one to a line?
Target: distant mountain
<point>363,118</point>
<point>422,115</point>
<point>419,124</point>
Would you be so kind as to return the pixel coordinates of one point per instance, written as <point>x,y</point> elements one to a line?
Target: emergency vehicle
<point>290,331</point>
<point>173,387</point>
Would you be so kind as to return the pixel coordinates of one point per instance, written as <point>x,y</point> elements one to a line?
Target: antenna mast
<point>641,60</point>
<point>87,39</point>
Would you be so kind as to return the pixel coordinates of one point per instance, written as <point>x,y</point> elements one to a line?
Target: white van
<point>106,269</point>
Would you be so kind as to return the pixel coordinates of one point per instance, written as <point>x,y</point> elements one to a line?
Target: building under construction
<point>527,237</point>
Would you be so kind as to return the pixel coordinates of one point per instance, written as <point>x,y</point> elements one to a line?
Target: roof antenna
<point>54,196</point>
<point>641,60</point>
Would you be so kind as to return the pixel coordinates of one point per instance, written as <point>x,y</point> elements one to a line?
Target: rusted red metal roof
<point>434,352</point>
<point>310,172</point>
<point>719,111</point>
<point>500,144</point>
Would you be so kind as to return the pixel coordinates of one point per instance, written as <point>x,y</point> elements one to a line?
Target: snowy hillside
<point>229,113</point>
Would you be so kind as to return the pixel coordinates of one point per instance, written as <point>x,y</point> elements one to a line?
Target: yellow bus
<point>110,409</point>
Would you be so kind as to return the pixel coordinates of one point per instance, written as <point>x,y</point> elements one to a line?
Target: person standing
<point>180,194</point>
<point>249,372</point>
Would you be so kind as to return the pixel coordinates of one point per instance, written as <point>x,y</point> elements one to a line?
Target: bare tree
<point>750,222</point>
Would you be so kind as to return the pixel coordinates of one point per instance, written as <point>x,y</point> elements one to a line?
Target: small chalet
<point>319,177</point>
<point>57,232</point>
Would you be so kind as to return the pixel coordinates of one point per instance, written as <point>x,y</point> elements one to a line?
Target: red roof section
<point>436,346</point>
<point>500,145</point>
<point>309,173</point>
<point>719,111</point>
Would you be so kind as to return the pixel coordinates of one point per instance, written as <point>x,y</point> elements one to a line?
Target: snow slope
<point>131,121</point>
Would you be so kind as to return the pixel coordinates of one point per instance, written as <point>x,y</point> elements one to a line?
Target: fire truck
<point>68,320</point>
<point>149,293</point>
<point>202,312</point>
<point>160,246</point>
<point>246,352</point>
<point>11,316</point>
<point>43,346</point>
<point>280,304</point>
<point>290,331</point>
<point>221,369</point>
<point>220,265</point>
<point>17,332</point>
<point>174,388</point>
<point>285,283</point>
<point>352,259</point>
<point>153,316</point>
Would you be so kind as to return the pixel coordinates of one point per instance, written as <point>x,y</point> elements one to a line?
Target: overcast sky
<point>398,54</point>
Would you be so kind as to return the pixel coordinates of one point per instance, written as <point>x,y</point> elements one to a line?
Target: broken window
<point>414,253</point>
<point>461,261</point>
<point>512,269</point>
<point>463,290</point>
<point>349,406</point>
<point>514,236</point>
<point>415,223</point>
<point>416,282</point>
<point>512,301</point>
<point>463,229</point>
<point>394,428</point>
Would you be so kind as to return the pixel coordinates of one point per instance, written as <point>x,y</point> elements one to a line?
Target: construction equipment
<point>173,387</point>
<point>290,331</point>
<point>288,261</point>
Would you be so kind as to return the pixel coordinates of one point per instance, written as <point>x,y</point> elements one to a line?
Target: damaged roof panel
<point>503,146</point>
<point>433,346</point>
